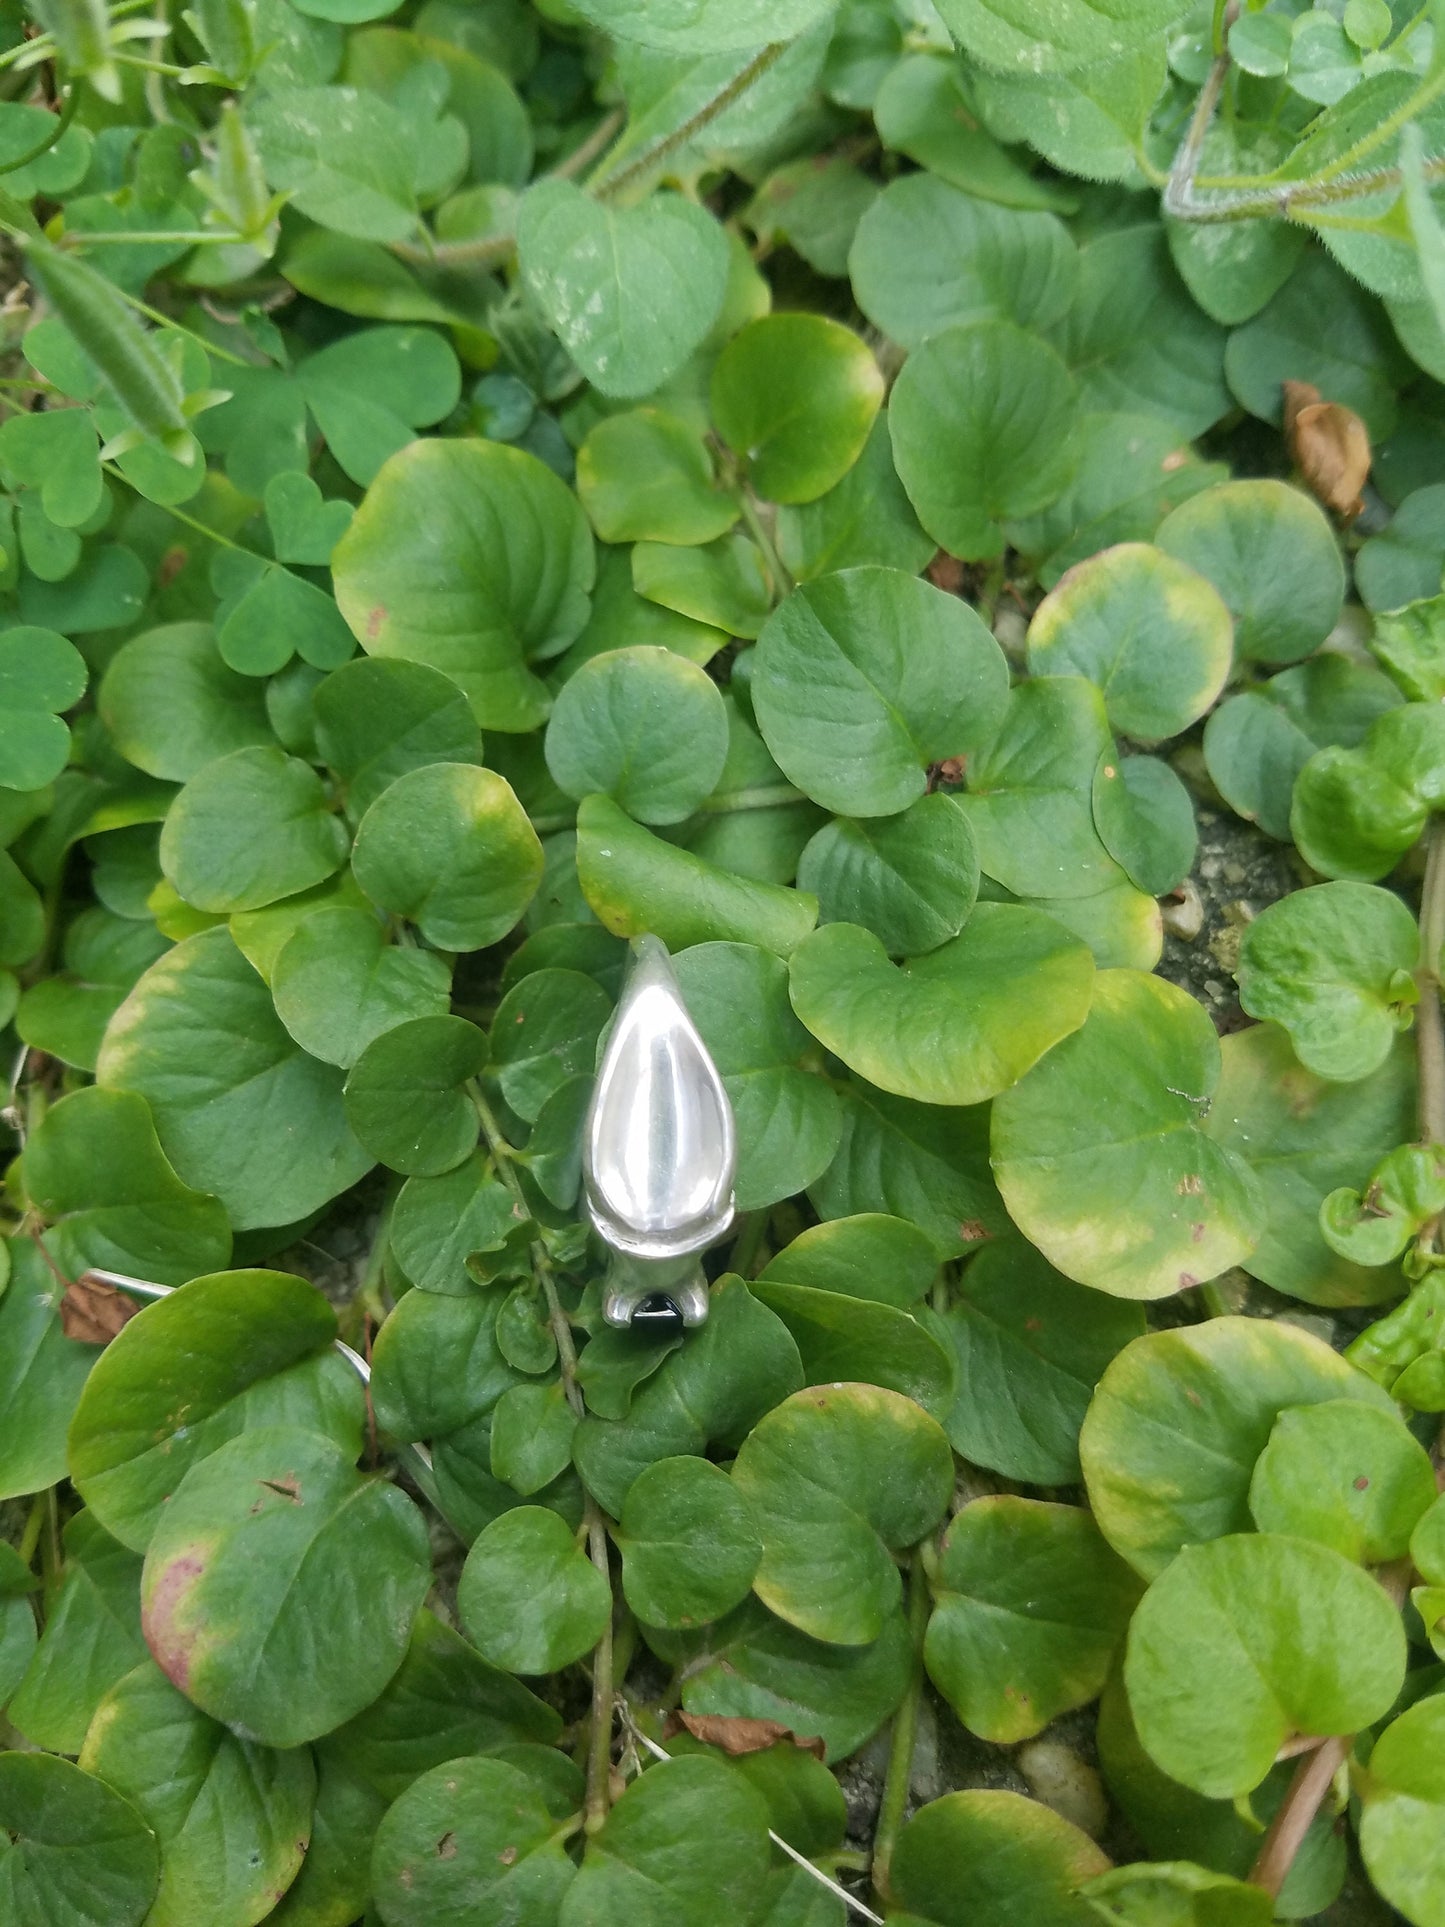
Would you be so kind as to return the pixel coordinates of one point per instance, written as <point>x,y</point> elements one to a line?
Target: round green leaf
<point>844,1338</point>
<point>1271,554</point>
<point>405,1098</point>
<point>249,828</point>
<point>377,718</point>
<point>981,419</point>
<point>866,518</point>
<point>1404,561</point>
<point>473,1839</point>
<point>689,1545</point>
<point>646,476</point>
<point>864,679</point>
<point>1145,819</point>
<point>1101,1156</point>
<point>838,1477</point>
<point>338,984</point>
<point>630,291</point>
<point>545,1032</point>
<point>272,1536</point>
<point>1178,1893</point>
<point>472,558</point>
<point>1248,1641</point>
<point>646,727</point>
<point>956,1026</point>
<point>233,1818</point>
<point>1402,1826</point>
<point>725,585</point>
<point>240,1111</point>
<point>449,848</point>
<point>911,879</point>
<point>75,1854</point>
<point>1179,1419</point>
<point>787,1118</point>
<point>529,1598</point>
<point>1030,1347</point>
<point>1334,965</point>
<point>95,1170</point>
<point>1357,811</point>
<point>794,396</point>
<point>237,1349</point>
<point>1345,1475</point>
<point>173,705</point>
<point>704,26</point>
<point>1154,635</point>
<point>531,1442</point>
<point>871,1256</point>
<point>1030,1606</point>
<point>927,256</point>
<point>92,1638</point>
<point>40,674</point>
<point>985,1859</point>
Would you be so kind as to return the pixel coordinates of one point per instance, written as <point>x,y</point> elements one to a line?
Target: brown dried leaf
<point>738,1736</point>
<point>93,1312</point>
<point>1330,446</point>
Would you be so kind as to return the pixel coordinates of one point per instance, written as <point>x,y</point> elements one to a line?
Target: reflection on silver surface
<point>660,1148</point>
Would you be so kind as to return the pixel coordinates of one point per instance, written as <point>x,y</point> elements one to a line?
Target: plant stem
<point>1295,1814</point>
<point>490,252</point>
<point>758,530</point>
<point>597,142</point>
<point>30,1537</point>
<point>605,186</point>
<point>599,1754</point>
<point>899,1776</point>
<point>1429,1023</point>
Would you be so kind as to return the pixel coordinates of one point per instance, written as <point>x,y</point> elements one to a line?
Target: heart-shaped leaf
<point>690,1548</point>
<point>40,674</point>
<point>304,528</point>
<point>173,704</point>
<point>1345,1475</point>
<point>250,828</point>
<point>794,396</point>
<point>646,476</point>
<point>378,718</point>
<point>405,1096</point>
<point>338,984</point>
<point>911,879</point>
<point>643,726</point>
<point>986,1859</point>
<point>529,1596</point>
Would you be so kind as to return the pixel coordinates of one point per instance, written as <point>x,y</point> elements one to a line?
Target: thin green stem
<point>899,1776</point>
<point>157,238</point>
<point>744,1254</point>
<point>34,1522</point>
<point>201,528</point>
<point>1429,1021</point>
<point>490,252</point>
<point>782,581</point>
<point>606,185</point>
<point>597,142</point>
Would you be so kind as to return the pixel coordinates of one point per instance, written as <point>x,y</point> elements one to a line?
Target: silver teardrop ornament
<point>659,1152</point>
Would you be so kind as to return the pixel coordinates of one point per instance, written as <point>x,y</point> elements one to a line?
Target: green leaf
<point>1272,556</point>
<point>474,559</point>
<point>630,292</point>
<point>871,1256</point>
<point>1233,268</point>
<point>40,673</point>
<point>844,1338</point>
<point>1306,1137</point>
<point>956,1026</point>
<point>344,156</point>
<point>985,1859</point>
<point>1404,562</point>
<point>304,528</point>
<point>1177,1893</point>
<point>372,390</point>
<point>41,1375</point>
<point>545,1032</point>
<point>377,719</point>
<point>866,519</point>
<point>928,256</point>
<point>266,613</point>
<point>865,679</point>
<point>270,1536</point>
<point>1030,1607</point>
<point>173,705</point>
<point>1153,634</point>
<point>443,1703</point>
<point>1402,1825</point>
<point>838,1477</point>
<point>471,1836</point>
<point>1030,1347</point>
<point>1179,1419</point>
<point>334,1876</point>
<point>531,1441</point>
<point>92,1638</point>
<point>1357,811</point>
<point>689,1545</point>
<point>94,1169</point>
<point>687,1841</point>
<point>249,828</point>
<point>216,1358</point>
<point>643,726</point>
<point>233,1818</point>
<point>405,1095</point>
<point>57,454</point>
<point>1409,644</point>
<point>1145,819</point>
<point>1090,122</point>
<point>239,1110</point>
<point>1334,965</point>
<point>529,1597</point>
<point>1245,1642</point>
<point>338,984</point>
<point>910,879</point>
<point>647,476</point>
<point>1115,1113</point>
<point>76,1854</point>
<point>713,26</point>
<point>925,109</point>
<point>981,418</point>
<point>1346,1476</point>
<point>635,883</point>
<point>449,847</point>
<point>1375,1224</point>
<point>724,584</point>
<point>794,396</point>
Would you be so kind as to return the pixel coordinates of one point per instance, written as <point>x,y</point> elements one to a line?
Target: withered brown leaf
<point>739,1736</point>
<point>93,1312</point>
<point>1330,446</point>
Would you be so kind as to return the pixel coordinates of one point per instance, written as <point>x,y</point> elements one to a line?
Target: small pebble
<point>1183,913</point>
<point>1061,1780</point>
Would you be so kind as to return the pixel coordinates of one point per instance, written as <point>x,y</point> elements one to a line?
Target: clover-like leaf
<point>644,726</point>
<point>956,1026</point>
<point>794,396</point>
<point>529,1597</point>
<point>40,674</point>
<point>1345,1475</point>
<point>1402,1825</point>
<point>1334,965</point>
<point>986,1859</point>
<point>1288,1636</point>
<point>1101,1120</point>
<point>249,828</point>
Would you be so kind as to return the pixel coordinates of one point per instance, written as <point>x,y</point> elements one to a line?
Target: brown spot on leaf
<point>447,1847</point>
<point>1186,1279</point>
<point>172,1644</point>
<point>374,619</point>
<point>92,1312</point>
<point>287,1488</point>
<point>1190,1185</point>
<point>1361,1483</point>
<point>1330,446</point>
<point>973,1231</point>
<point>737,1736</point>
<point>508,1856</point>
<point>171,564</point>
<point>1196,1232</point>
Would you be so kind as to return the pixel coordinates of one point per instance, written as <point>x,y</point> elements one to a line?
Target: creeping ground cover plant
<point>935,511</point>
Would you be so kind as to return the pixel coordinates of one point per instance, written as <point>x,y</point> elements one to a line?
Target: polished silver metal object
<point>659,1153</point>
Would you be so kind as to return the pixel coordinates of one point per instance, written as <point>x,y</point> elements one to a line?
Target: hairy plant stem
<point>1429,1021</point>
<point>599,1752</point>
<point>899,1776</point>
<point>605,184</point>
